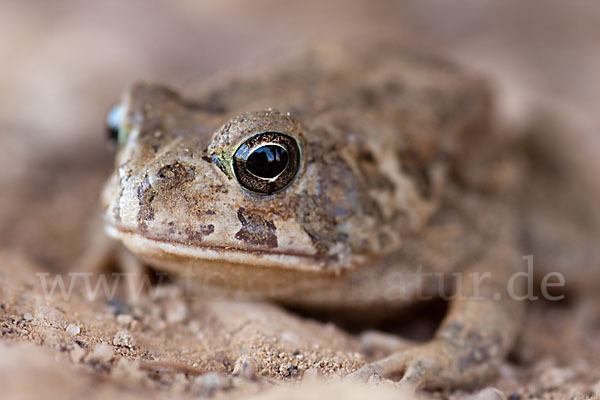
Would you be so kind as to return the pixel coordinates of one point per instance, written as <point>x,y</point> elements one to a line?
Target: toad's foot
<point>473,339</point>
<point>435,364</point>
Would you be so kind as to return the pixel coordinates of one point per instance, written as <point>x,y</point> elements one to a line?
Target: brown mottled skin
<point>389,190</point>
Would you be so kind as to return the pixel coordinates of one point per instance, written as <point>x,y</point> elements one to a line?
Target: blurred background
<point>64,62</point>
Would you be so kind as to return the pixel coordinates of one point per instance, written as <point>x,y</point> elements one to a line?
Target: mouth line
<point>115,230</point>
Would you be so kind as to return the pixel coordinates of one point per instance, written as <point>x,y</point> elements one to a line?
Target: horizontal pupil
<point>267,161</point>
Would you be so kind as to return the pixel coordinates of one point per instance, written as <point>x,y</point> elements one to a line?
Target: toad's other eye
<point>113,122</point>
<point>267,162</point>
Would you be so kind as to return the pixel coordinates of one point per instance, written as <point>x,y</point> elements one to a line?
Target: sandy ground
<point>65,62</point>
<point>167,343</point>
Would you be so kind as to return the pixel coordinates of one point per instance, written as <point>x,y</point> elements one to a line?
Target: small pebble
<point>210,382</point>
<point>374,379</point>
<point>73,329</point>
<point>159,325</point>
<point>77,354</point>
<point>102,353</point>
<point>176,312</point>
<point>555,377</point>
<point>489,393</point>
<point>28,317</point>
<point>194,326</point>
<point>52,317</point>
<point>130,370</point>
<point>245,367</point>
<point>124,319</point>
<point>124,339</point>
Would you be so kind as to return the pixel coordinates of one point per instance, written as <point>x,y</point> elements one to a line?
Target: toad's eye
<point>267,162</point>
<point>113,122</point>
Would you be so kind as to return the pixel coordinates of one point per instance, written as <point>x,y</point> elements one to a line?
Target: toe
<point>364,373</point>
<point>387,367</point>
<point>413,377</point>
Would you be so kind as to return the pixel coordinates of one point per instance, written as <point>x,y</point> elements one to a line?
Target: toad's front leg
<point>475,336</point>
